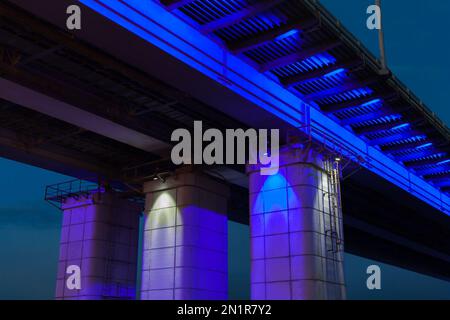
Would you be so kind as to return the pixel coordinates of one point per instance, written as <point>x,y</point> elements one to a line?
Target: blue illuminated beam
<point>440,163</point>
<point>346,86</point>
<point>395,137</point>
<point>421,141</point>
<point>316,74</point>
<point>374,115</point>
<point>271,35</point>
<point>385,127</point>
<point>434,177</point>
<point>417,155</point>
<point>425,145</point>
<point>355,103</point>
<point>442,183</point>
<point>437,161</point>
<point>433,170</point>
<point>299,56</point>
<point>239,16</point>
<point>175,4</point>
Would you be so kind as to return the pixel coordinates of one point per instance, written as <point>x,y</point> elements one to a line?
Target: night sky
<point>417,44</point>
<point>417,50</point>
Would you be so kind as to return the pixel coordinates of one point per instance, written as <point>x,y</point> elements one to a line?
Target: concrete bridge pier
<point>185,244</point>
<point>296,229</point>
<point>100,236</point>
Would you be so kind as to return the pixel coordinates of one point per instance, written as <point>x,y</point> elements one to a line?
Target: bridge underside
<point>380,221</point>
<point>42,66</point>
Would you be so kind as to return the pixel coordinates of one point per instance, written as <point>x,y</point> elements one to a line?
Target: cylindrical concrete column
<point>185,238</point>
<point>99,235</point>
<point>296,230</point>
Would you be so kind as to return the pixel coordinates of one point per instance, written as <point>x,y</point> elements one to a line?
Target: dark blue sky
<point>29,232</point>
<point>417,44</point>
<point>417,49</point>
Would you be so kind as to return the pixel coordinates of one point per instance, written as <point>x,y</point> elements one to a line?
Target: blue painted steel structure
<point>292,59</point>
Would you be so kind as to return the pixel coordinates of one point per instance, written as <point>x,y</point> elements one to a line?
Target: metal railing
<point>56,194</point>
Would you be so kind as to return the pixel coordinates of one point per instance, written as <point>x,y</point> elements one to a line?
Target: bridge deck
<point>292,59</point>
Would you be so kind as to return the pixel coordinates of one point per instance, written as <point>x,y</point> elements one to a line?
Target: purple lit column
<point>296,230</point>
<point>185,239</point>
<point>100,235</point>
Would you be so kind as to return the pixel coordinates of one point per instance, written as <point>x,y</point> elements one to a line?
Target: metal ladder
<point>333,234</point>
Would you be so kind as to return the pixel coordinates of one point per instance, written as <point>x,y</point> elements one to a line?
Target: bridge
<point>363,157</point>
